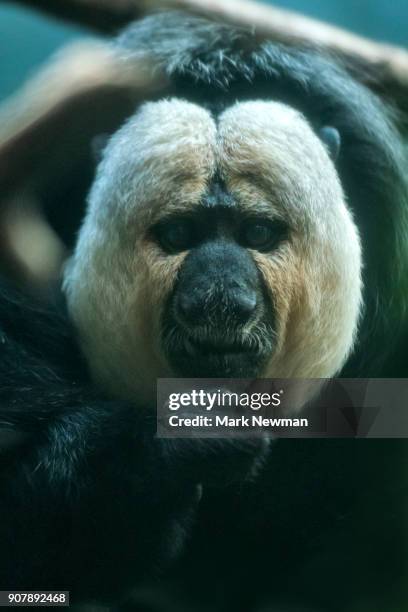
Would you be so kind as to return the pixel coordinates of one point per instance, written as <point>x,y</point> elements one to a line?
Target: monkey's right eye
<point>263,234</point>
<point>175,236</point>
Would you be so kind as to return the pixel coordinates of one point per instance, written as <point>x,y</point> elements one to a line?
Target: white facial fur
<point>162,160</point>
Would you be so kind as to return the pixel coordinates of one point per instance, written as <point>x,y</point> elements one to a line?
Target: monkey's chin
<point>217,365</point>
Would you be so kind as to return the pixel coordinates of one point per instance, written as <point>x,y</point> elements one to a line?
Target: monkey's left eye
<point>176,236</point>
<point>262,235</point>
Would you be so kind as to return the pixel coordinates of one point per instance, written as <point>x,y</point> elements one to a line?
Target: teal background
<point>27,38</point>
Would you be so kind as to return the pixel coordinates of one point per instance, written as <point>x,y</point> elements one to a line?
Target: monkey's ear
<point>330,136</point>
<point>98,145</point>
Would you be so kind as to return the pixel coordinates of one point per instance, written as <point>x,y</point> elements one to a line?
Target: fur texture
<point>215,65</point>
<point>271,162</point>
<point>90,499</point>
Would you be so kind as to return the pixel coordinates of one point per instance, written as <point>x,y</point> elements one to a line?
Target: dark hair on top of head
<point>216,64</point>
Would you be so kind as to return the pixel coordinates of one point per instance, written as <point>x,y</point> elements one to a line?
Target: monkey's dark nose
<point>201,307</point>
<point>218,286</point>
<point>243,305</point>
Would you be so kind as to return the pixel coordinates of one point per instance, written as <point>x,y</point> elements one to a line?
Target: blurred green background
<point>27,39</point>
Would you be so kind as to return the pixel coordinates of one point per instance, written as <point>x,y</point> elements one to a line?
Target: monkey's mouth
<point>195,347</point>
<point>215,357</point>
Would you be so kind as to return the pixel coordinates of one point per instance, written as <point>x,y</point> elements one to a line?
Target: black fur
<point>90,500</point>
<point>215,65</point>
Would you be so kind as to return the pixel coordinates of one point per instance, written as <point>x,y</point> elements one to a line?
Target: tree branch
<point>46,130</point>
<point>85,80</point>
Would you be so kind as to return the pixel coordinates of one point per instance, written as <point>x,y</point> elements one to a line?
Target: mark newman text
<point>241,422</point>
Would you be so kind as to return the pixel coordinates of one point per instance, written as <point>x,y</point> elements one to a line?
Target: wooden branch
<point>46,130</point>
<point>30,251</point>
<point>383,67</point>
<point>86,81</point>
<point>47,127</point>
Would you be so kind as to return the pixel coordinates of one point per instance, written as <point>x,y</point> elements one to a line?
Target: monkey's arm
<point>90,500</point>
<point>85,503</point>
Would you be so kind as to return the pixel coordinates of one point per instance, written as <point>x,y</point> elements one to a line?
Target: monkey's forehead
<point>170,151</point>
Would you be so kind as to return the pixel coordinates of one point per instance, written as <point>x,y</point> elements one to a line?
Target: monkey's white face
<point>214,248</point>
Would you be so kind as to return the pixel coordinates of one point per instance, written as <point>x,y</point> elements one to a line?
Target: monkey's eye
<point>262,235</point>
<point>175,236</point>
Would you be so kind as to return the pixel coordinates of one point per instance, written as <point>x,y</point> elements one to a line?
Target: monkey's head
<point>214,248</point>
